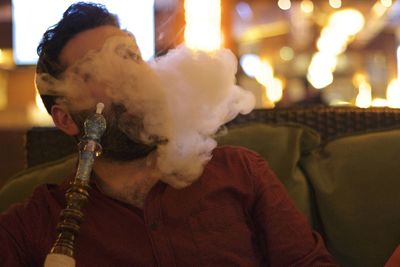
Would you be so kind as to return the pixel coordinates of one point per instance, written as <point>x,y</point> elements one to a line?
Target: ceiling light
<point>244,11</point>
<point>386,3</point>
<point>364,97</point>
<point>393,94</point>
<point>250,64</point>
<point>398,61</point>
<point>274,90</point>
<point>286,53</point>
<point>320,78</point>
<point>379,102</point>
<point>203,24</point>
<point>265,72</point>
<point>348,21</point>
<point>284,4</point>
<point>335,3</point>
<point>307,6</point>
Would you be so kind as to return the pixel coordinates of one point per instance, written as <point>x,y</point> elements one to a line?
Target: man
<point>235,214</point>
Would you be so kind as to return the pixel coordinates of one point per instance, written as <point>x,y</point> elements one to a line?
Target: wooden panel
<point>21,88</point>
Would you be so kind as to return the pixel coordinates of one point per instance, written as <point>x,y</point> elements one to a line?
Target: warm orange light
<point>37,113</point>
<point>266,102</point>
<point>6,59</point>
<point>379,102</point>
<point>265,72</point>
<point>335,3</point>
<point>364,97</point>
<point>203,24</point>
<point>386,3</point>
<point>378,9</point>
<point>274,90</point>
<point>393,94</point>
<point>3,90</point>
<point>358,78</point>
<point>349,21</point>
<point>284,4</point>
<point>307,6</point>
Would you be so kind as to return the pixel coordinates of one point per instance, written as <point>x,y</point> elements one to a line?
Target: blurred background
<point>290,53</point>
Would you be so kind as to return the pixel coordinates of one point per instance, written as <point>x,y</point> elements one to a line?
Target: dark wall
<point>5,35</point>
<point>5,24</point>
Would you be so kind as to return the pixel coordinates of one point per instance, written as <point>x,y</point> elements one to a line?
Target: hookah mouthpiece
<point>99,108</point>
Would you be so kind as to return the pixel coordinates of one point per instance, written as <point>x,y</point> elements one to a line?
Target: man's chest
<point>175,230</point>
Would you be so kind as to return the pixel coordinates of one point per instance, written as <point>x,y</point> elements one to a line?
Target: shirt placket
<point>156,228</point>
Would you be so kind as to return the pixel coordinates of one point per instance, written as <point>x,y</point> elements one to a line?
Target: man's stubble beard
<point>116,144</point>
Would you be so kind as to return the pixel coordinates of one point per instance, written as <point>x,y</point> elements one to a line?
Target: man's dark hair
<point>77,18</point>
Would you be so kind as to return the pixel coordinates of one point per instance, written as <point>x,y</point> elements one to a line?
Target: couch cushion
<point>21,185</point>
<point>282,146</point>
<point>357,183</point>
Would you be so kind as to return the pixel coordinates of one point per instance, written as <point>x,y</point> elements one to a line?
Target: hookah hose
<point>62,252</point>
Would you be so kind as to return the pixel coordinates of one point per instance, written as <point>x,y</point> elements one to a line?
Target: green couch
<point>346,185</point>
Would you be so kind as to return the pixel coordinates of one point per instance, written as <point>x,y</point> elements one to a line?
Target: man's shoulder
<point>237,161</point>
<point>21,186</point>
<point>235,153</point>
<point>28,227</point>
<point>45,200</point>
<point>232,161</point>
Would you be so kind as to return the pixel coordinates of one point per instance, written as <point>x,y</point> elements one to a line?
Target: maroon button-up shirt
<point>236,214</point>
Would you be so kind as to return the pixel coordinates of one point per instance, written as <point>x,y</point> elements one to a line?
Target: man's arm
<point>26,230</point>
<point>11,243</point>
<point>394,260</point>
<point>286,235</point>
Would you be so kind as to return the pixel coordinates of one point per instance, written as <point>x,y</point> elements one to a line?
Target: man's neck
<point>128,181</point>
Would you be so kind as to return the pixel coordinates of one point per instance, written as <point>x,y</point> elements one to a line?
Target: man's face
<point>115,141</point>
<point>78,47</point>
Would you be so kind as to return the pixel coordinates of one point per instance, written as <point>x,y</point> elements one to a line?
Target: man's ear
<point>63,120</point>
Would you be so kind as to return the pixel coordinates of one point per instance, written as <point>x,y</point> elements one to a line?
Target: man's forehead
<point>88,40</point>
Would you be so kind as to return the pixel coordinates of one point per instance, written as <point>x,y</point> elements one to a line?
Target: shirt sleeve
<point>11,242</point>
<point>287,237</point>
<point>27,230</point>
<point>394,260</point>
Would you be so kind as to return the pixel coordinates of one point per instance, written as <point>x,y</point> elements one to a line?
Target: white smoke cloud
<point>184,97</point>
<point>202,96</point>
